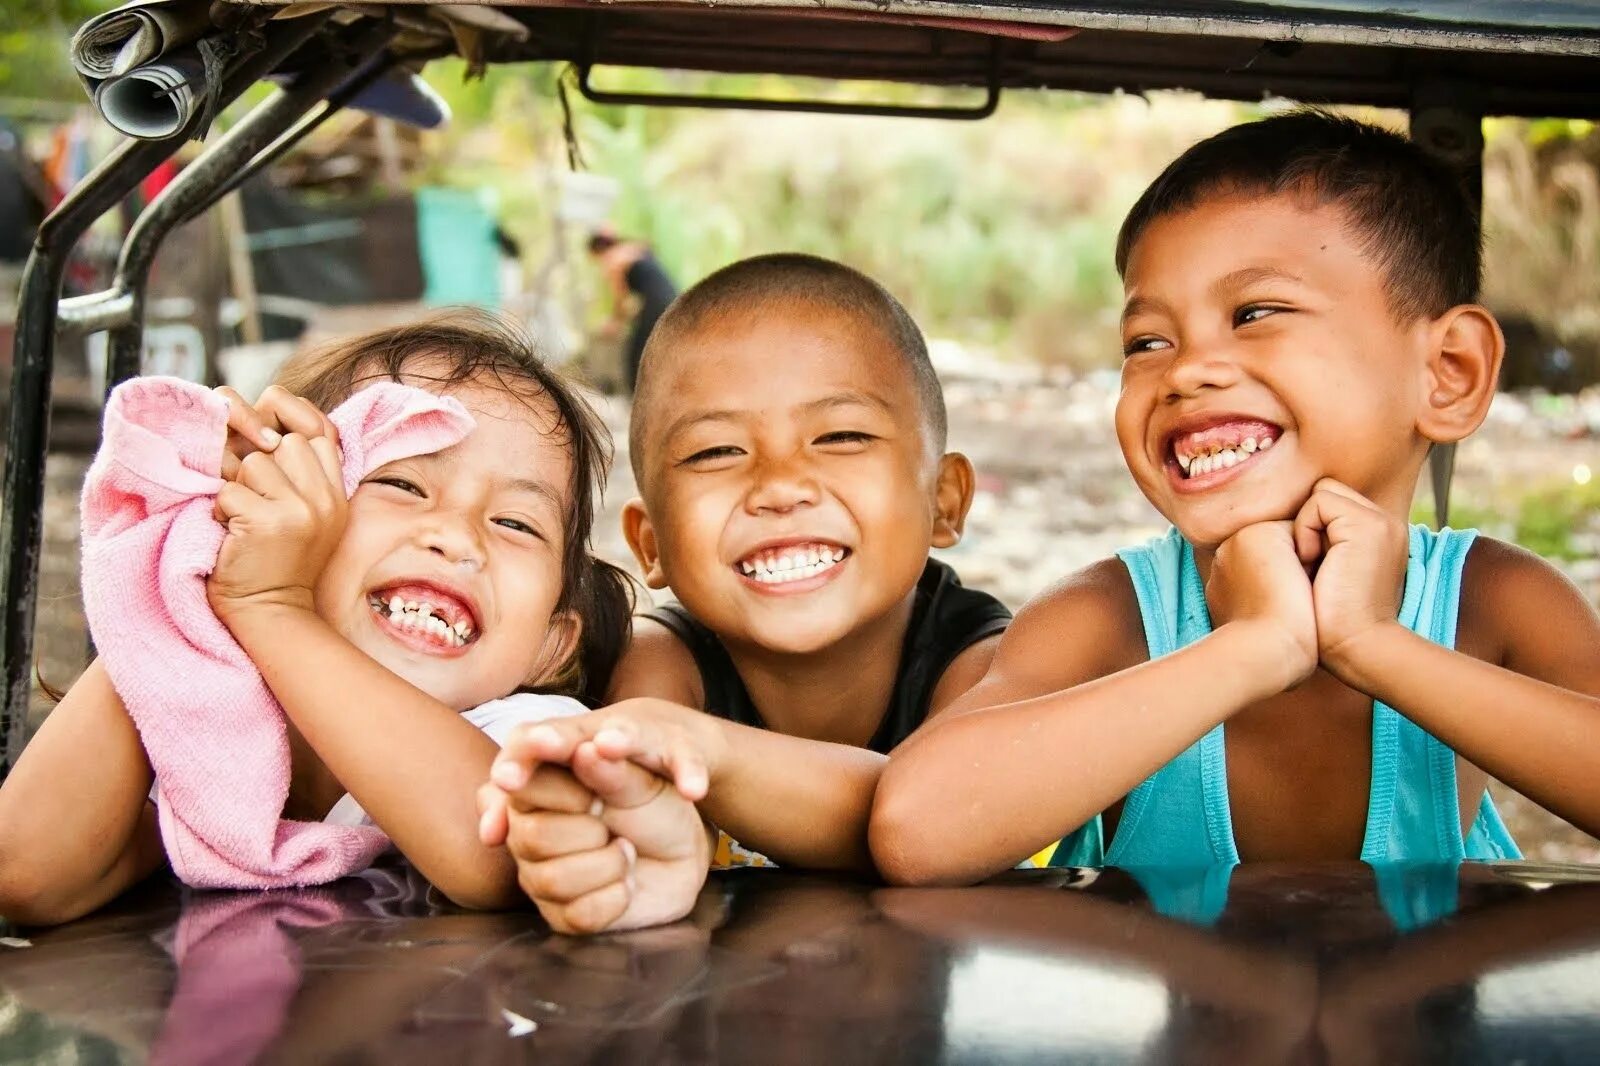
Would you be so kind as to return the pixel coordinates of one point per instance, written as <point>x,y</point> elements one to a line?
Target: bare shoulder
<point>1520,610</point>
<point>1082,627</point>
<point>656,663</point>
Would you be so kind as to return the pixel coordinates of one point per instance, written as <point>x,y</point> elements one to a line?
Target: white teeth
<point>414,617</point>
<point>1248,446</point>
<point>796,565</point>
<point>1266,442</point>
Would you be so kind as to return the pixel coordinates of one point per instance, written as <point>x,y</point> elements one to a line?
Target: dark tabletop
<point>1263,964</point>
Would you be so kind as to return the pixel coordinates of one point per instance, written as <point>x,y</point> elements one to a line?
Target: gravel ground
<point>1053,496</point>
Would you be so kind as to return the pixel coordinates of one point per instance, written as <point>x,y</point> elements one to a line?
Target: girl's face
<point>450,567</point>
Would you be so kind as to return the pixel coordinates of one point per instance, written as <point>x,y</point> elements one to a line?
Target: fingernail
<point>629,853</point>
<point>610,735</point>
<point>508,774</point>
<point>271,437</point>
<point>597,808</point>
<point>483,826</point>
<point>543,734</point>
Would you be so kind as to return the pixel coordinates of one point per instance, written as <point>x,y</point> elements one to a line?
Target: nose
<point>1195,367</point>
<point>781,485</point>
<point>454,538</point>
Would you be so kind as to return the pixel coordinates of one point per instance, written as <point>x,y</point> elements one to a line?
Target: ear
<point>641,538</point>
<point>558,658</point>
<point>1466,347</point>
<point>952,498</point>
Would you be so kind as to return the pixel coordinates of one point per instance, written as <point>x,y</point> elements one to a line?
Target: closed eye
<point>705,455</point>
<point>846,436</point>
<point>519,526</point>
<point>397,483</point>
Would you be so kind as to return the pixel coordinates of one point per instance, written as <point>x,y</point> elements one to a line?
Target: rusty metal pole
<point>1447,121</point>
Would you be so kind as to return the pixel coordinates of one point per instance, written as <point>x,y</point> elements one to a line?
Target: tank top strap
<point>1413,811</point>
<point>1179,816</point>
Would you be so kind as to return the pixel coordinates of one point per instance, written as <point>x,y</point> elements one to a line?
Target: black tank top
<point>946,619</point>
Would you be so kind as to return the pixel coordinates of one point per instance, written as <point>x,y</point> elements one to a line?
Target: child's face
<point>1262,355</point>
<point>473,537</point>
<point>792,492</point>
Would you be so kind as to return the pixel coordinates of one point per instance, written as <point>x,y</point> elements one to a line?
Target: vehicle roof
<point>1518,57</point>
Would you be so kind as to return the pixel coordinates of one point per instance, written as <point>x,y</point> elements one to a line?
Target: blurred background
<point>997,235</point>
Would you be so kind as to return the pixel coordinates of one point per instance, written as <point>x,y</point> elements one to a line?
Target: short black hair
<point>1409,210</point>
<point>784,277</point>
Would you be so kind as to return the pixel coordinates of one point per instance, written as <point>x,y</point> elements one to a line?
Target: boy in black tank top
<point>788,440</point>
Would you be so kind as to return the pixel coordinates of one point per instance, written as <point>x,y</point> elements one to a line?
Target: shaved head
<point>768,282</point>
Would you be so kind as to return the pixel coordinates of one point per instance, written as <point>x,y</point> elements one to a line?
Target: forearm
<point>76,827</point>
<point>1534,736</point>
<point>977,792</point>
<point>799,802</point>
<point>410,761</point>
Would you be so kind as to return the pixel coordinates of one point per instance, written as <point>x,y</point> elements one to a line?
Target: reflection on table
<point>1268,964</point>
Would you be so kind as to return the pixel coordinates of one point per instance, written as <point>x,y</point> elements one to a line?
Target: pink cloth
<point>214,734</point>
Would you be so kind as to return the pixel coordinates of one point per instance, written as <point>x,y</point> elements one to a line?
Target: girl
<point>495,529</point>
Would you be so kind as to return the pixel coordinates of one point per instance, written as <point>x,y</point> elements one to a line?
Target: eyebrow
<point>543,489</point>
<point>1251,275</point>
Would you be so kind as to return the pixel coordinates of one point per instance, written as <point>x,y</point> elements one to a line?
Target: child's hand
<point>679,743</point>
<point>606,846</point>
<point>1257,581</point>
<point>261,427</point>
<point>285,512</point>
<point>1361,576</point>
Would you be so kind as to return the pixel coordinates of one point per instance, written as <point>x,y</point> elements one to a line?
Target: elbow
<point>487,884</point>
<point>905,839</point>
<point>27,899</point>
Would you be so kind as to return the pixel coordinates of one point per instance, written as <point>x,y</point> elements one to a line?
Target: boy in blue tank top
<point>1293,672</point>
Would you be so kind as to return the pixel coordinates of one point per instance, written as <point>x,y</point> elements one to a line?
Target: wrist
<point>1270,659</point>
<point>264,606</point>
<point>1352,658</point>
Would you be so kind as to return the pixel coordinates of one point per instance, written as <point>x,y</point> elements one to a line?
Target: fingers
<point>248,429</point>
<point>593,913</point>
<point>540,835</point>
<point>568,878</point>
<point>551,788</point>
<point>529,745</point>
<point>493,815</point>
<point>615,782</point>
<point>668,752</point>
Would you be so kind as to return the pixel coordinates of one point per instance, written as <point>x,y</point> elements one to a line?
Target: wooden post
<point>240,270</point>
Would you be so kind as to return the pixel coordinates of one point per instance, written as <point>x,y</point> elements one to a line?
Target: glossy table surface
<point>1261,964</point>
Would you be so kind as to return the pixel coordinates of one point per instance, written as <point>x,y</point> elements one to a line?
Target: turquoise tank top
<point>1179,817</point>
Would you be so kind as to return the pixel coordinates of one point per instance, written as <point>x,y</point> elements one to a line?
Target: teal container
<point>455,237</point>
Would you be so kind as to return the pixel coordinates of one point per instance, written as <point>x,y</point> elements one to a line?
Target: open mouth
<point>1199,453</point>
<point>426,613</point>
<point>791,562</point>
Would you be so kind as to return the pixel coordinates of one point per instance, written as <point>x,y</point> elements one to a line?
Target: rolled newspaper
<point>135,35</point>
<point>156,100</point>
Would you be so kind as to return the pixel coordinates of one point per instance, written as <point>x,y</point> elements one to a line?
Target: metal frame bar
<point>821,107</point>
<point>38,314</point>
<point>1447,121</point>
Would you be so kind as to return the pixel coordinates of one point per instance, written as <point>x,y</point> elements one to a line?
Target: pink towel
<point>213,731</point>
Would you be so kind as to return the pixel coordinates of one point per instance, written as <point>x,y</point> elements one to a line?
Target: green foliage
<point>33,46</point>
<point>997,233</point>
<point>1549,519</point>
